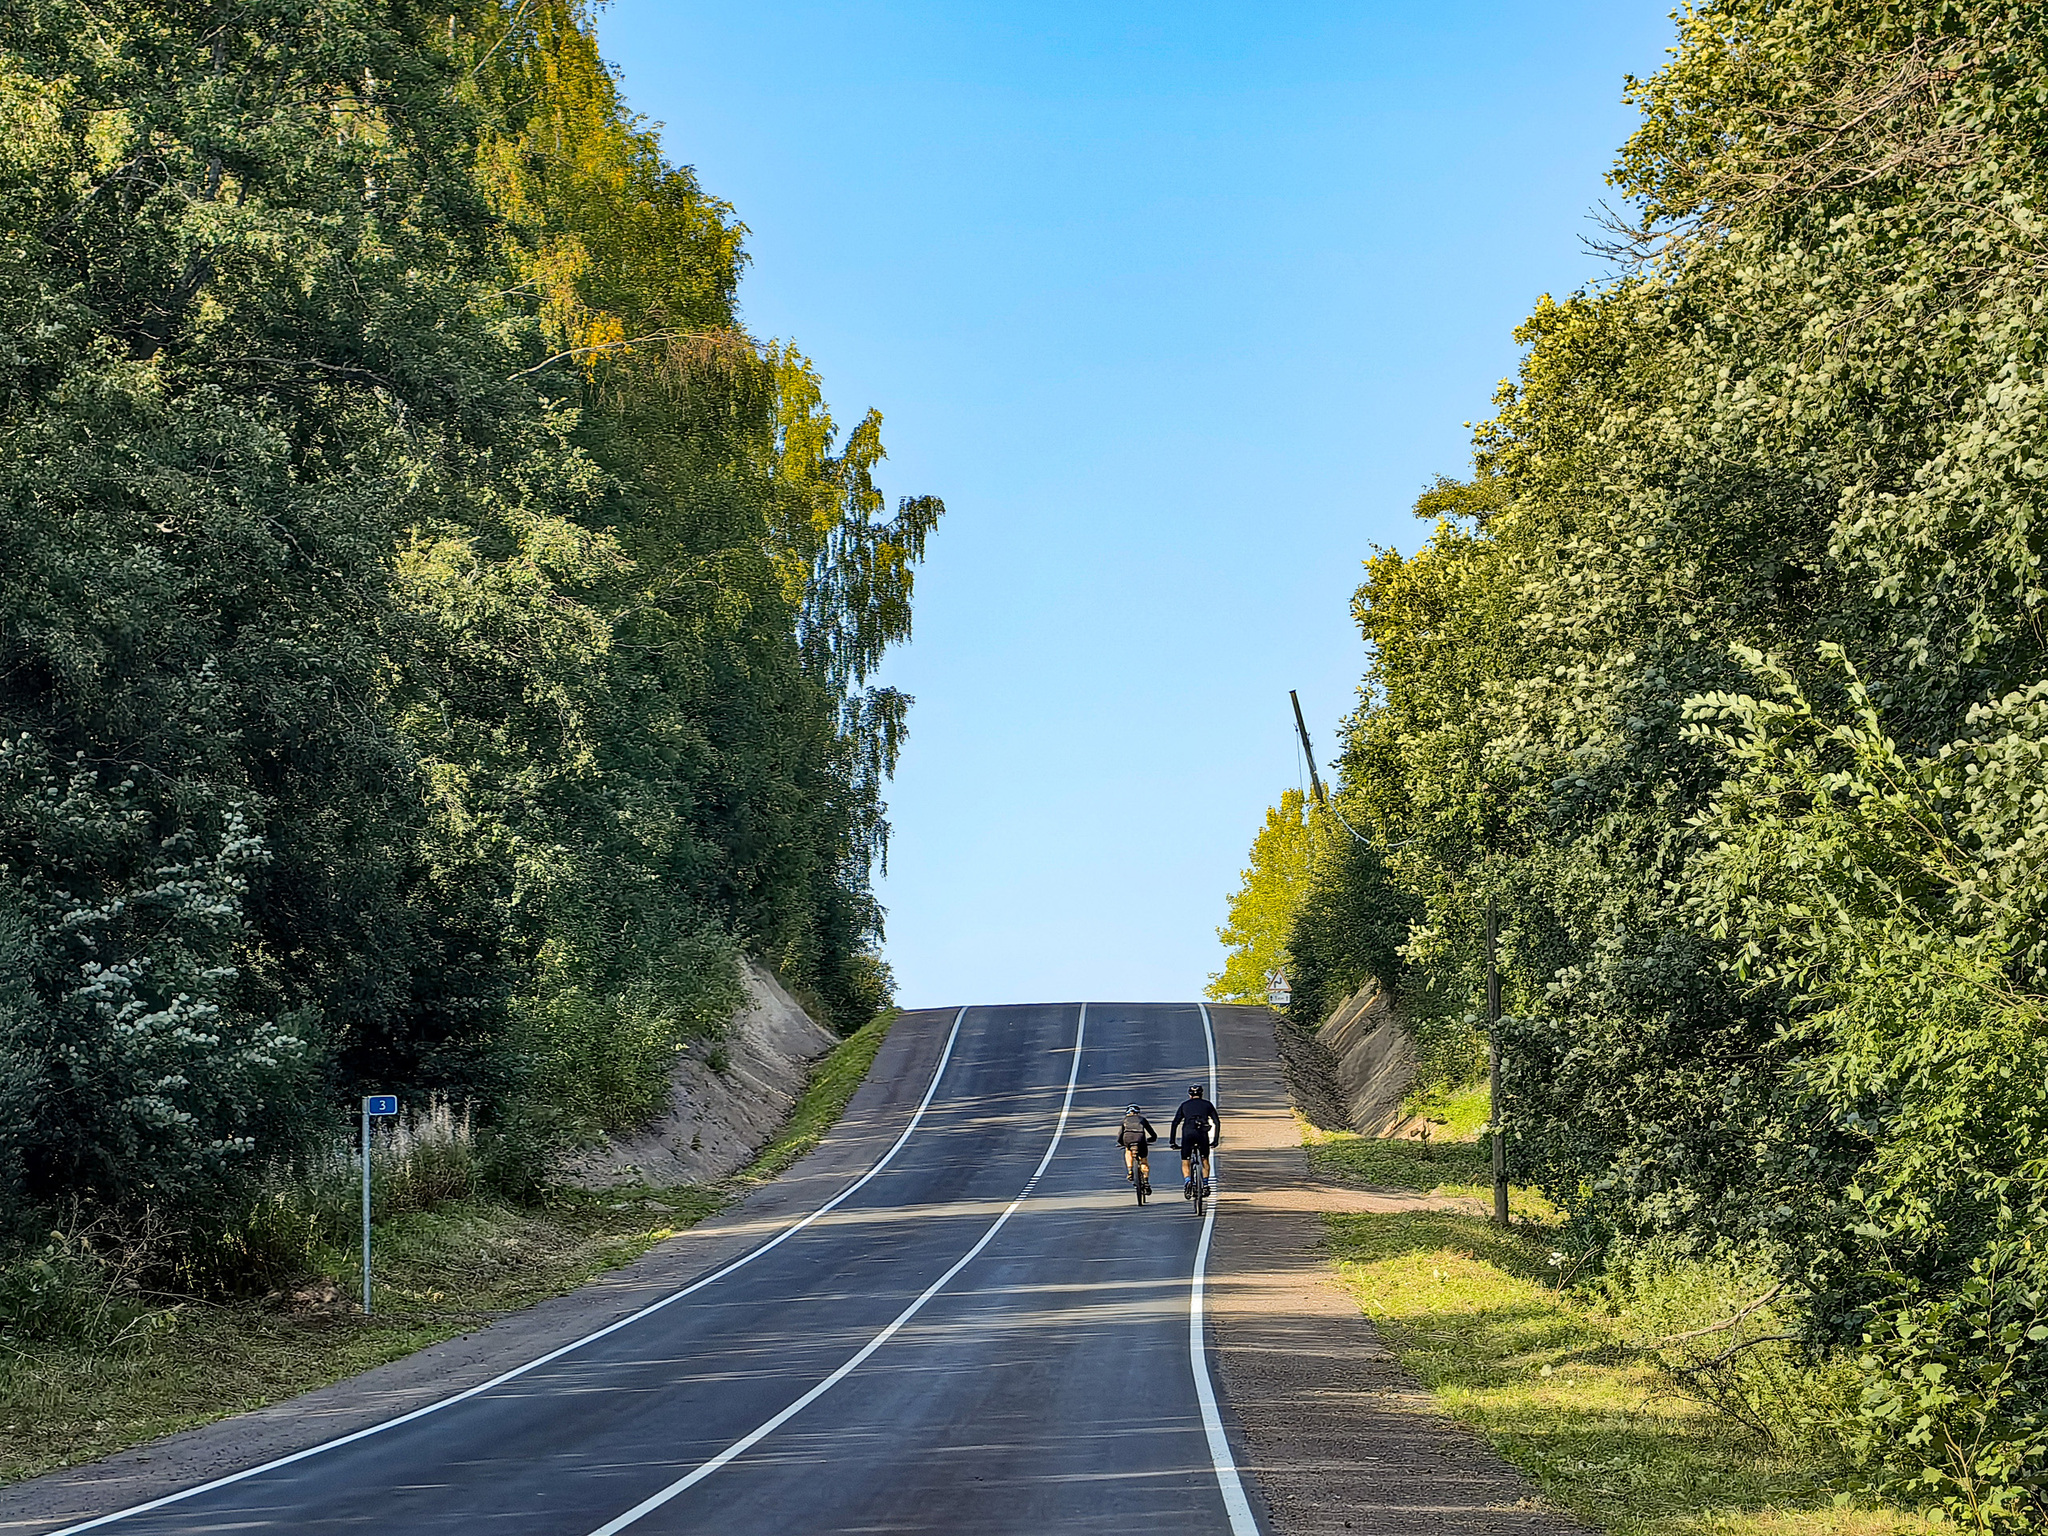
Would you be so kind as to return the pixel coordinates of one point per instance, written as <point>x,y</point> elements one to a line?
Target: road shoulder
<point>873,1119</point>
<point>1337,1436</point>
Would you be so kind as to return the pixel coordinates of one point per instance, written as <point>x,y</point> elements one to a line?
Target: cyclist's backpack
<point>1133,1132</point>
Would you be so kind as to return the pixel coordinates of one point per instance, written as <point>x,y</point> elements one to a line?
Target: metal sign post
<point>373,1104</point>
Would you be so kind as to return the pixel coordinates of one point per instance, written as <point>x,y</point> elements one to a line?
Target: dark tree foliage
<point>1350,924</point>
<point>434,641</point>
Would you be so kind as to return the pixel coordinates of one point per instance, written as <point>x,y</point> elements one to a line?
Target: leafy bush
<point>145,1079</point>
<point>1953,1409</point>
<point>870,992</point>
<point>595,1060</point>
<point>68,1294</point>
<point>1895,893</point>
<point>1730,1334</point>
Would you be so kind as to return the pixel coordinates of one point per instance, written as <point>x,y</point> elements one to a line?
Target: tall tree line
<point>435,640</point>
<point>1746,587</point>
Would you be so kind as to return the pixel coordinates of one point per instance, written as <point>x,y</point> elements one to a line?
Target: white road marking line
<point>741,1446</point>
<point>1232,1486</point>
<point>589,1338</point>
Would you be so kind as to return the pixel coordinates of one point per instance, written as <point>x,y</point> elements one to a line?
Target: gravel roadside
<point>1338,1437</point>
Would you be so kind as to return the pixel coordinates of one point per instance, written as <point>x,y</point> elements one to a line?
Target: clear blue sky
<point>1177,306</point>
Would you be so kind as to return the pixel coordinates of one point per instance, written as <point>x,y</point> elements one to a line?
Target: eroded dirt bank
<point>724,1102</point>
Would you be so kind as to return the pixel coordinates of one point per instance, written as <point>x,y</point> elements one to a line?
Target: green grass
<point>1459,1115</point>
<point>439,1273</point>
<point>1405,1165</point>
<point>1453,1159</point>
<point>1551,1379</point>
<point>832,1086</point>
<point>1385,1162</point>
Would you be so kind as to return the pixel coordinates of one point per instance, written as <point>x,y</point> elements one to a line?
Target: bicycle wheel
<point>1199,1167</point>
<point>1138,1182</point>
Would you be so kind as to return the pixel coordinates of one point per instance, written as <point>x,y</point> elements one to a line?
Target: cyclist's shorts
<point>1190,1145</point>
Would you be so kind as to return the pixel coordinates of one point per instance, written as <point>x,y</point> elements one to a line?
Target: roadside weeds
<point>439,1273</point>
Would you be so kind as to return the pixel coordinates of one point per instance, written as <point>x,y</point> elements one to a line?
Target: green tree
<point>239,247</point>
<point>1263,907</point>
<point>1771,966</point>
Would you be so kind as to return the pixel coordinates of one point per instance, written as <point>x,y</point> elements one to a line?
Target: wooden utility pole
<point>1500,1145</point>
<point>1310,752</point>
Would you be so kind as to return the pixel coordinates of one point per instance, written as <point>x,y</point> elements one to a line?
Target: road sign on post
<point>373,1104</point>
<point>1279,992</point>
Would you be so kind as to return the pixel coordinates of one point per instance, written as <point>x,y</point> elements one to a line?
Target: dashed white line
<point>746,1442</point>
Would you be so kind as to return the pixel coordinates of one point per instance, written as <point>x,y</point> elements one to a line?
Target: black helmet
<point>1194,1090</point>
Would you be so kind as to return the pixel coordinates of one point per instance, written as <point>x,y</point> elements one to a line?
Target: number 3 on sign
<point>381,1104</point>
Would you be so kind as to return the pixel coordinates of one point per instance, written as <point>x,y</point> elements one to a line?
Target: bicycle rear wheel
<point>1199,1167</point>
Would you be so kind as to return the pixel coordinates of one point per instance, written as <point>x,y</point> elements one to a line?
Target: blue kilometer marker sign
<point>374,1104</point>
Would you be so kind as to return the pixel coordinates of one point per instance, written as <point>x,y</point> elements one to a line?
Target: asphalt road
<point>985,1334</point>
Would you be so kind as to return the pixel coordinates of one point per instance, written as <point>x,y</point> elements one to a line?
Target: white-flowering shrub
<point>140,1080</point>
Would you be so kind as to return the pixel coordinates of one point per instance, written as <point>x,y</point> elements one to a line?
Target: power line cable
<point>1302,749</point>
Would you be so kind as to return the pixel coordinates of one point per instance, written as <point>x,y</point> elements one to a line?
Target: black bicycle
<point>1137,1173</point>
<point>1198,1182</point>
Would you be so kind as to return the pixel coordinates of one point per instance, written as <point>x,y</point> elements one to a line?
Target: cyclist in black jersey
<point>1195,1125</point>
